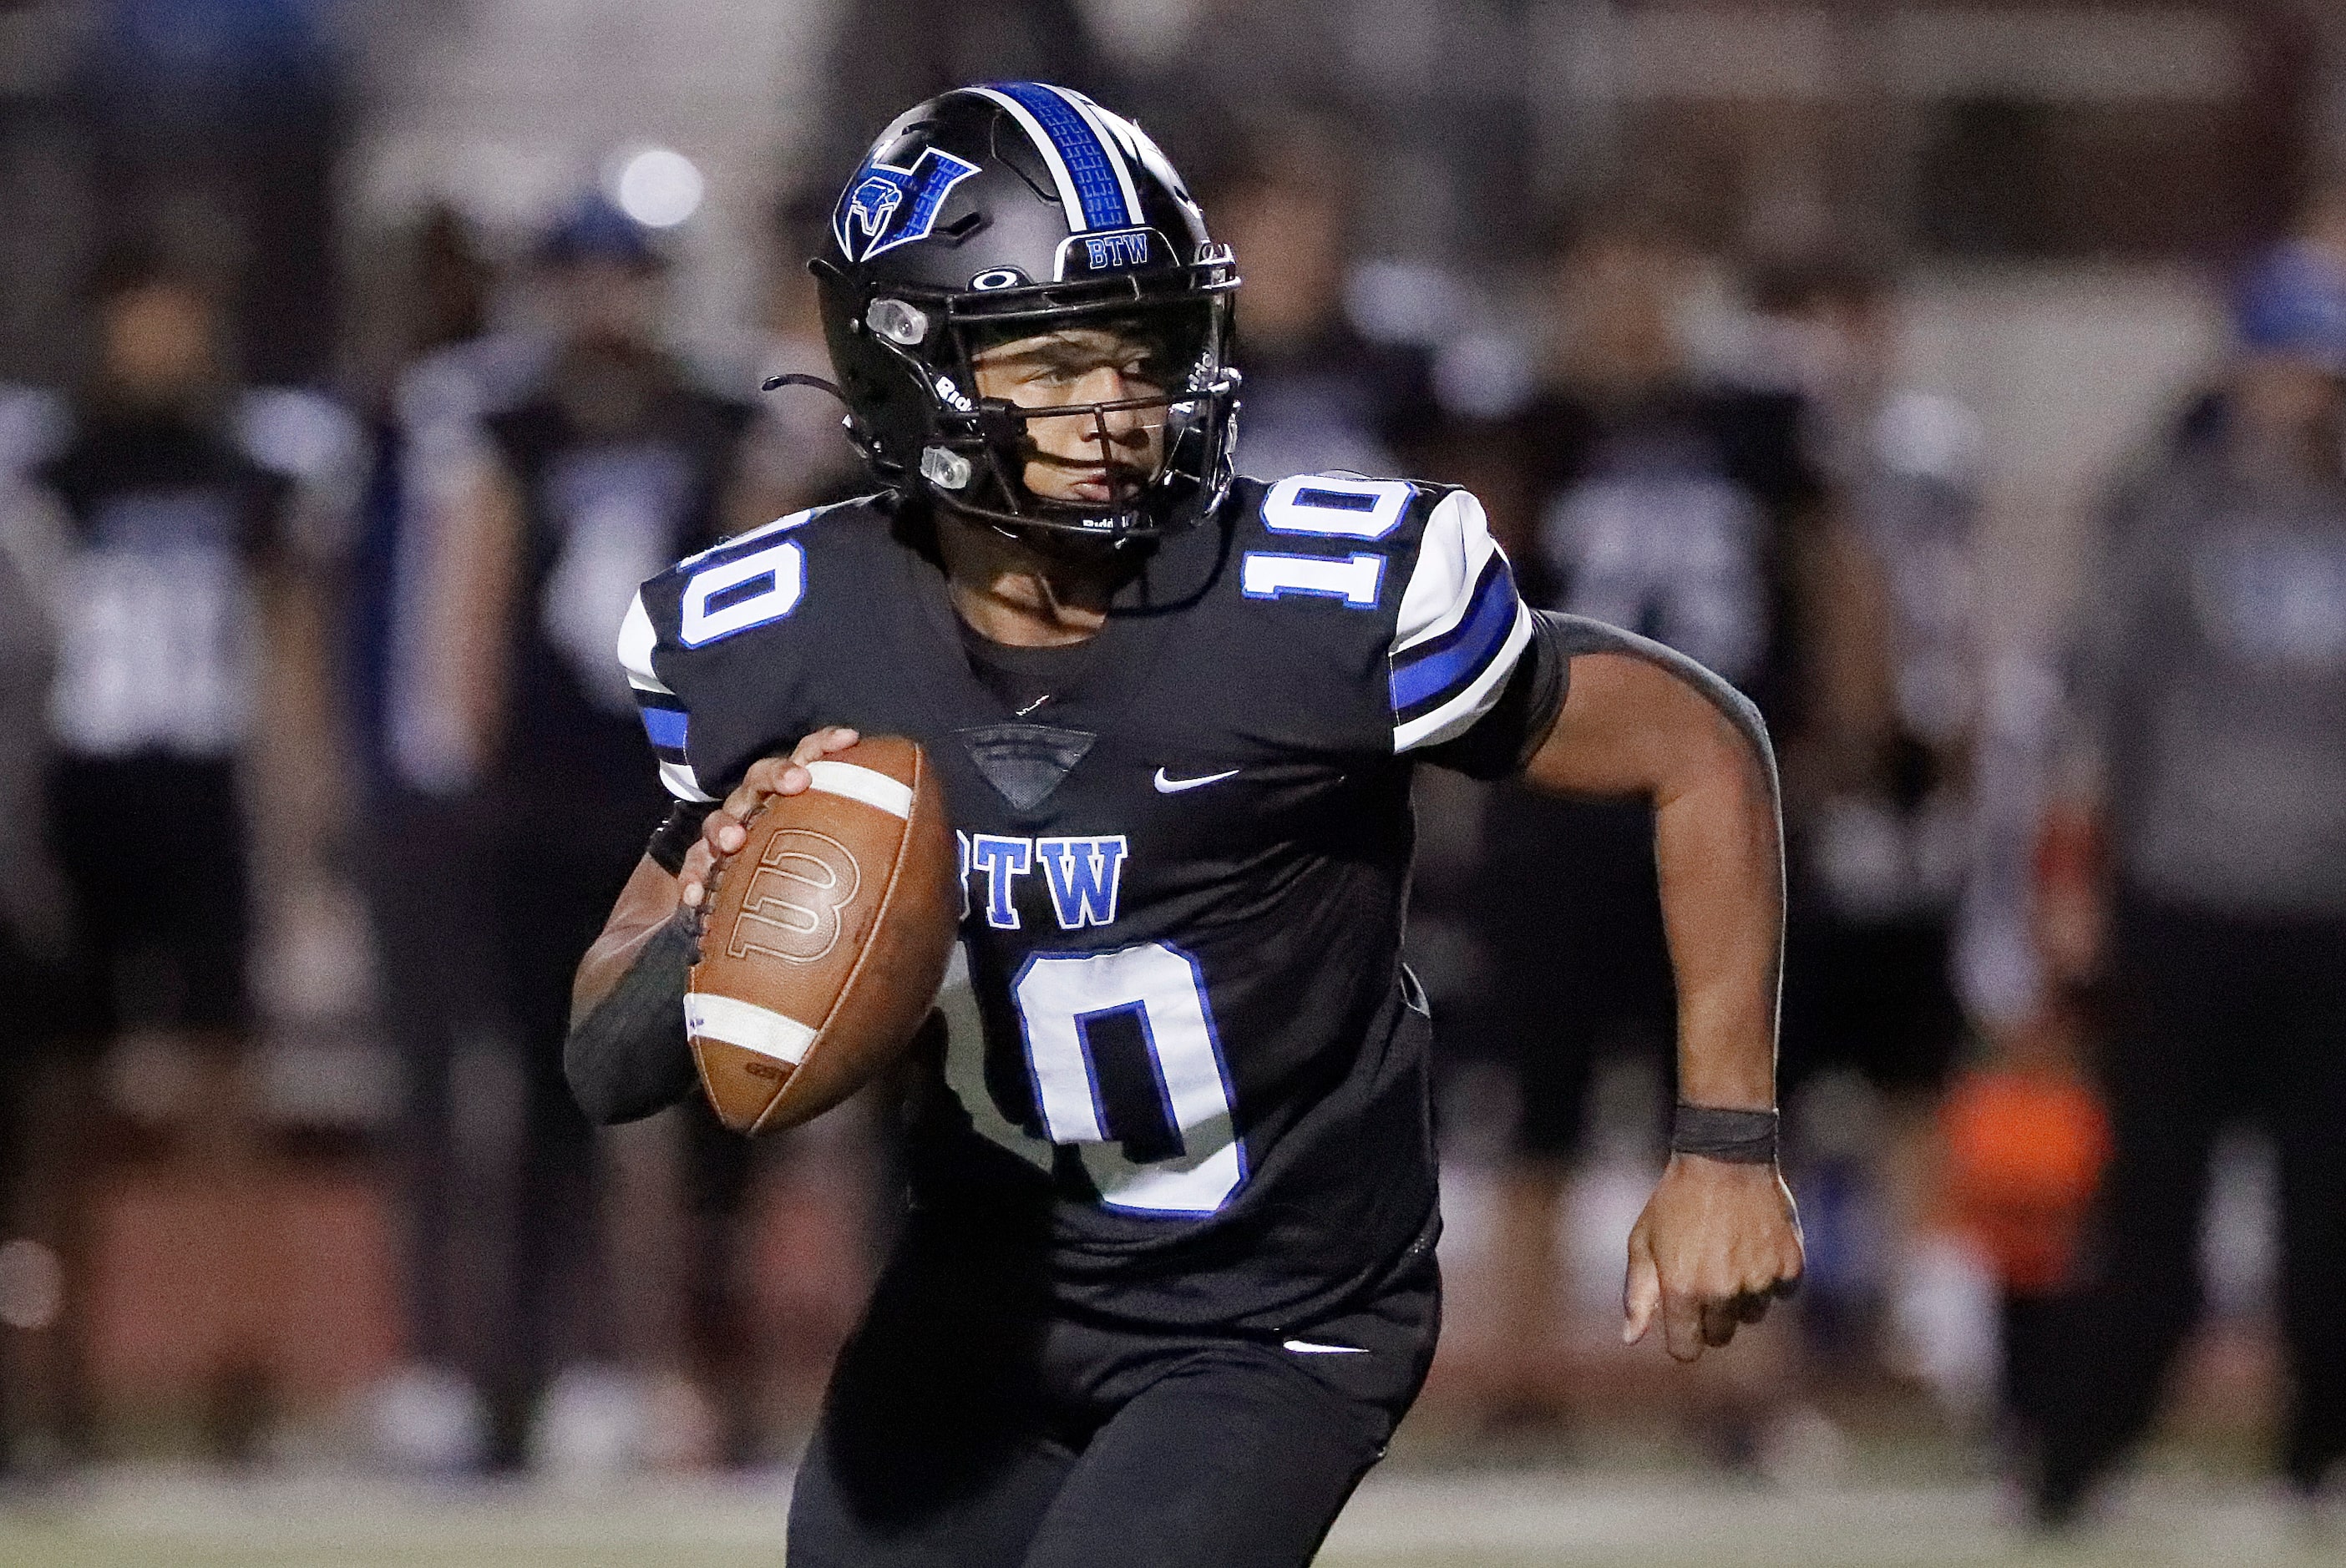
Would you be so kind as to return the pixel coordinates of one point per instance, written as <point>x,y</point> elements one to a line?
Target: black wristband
<point>1739,1137</point>
<point>675,834</point>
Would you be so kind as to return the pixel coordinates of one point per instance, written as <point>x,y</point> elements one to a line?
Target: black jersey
<point>1672,516</point>
<point>603,508</point>
<point>171,517</point>
<point>1199,1065</point>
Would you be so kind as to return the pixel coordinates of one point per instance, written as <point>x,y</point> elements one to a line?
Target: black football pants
<point>968,1426</point>
<point>2217,1019</point>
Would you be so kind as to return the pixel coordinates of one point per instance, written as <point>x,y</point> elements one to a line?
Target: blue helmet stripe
<point>1090,161</point>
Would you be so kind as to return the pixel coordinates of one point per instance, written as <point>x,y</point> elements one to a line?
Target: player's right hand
<point>724,832</point>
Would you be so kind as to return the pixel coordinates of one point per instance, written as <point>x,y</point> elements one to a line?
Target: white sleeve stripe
<point>637,640</point>
<point>1458,715</point>
<point>1070,200</point>
<point>1455,546</point>
<point>684,784</point>
<point>1430,673</point>
<point>782,525</point>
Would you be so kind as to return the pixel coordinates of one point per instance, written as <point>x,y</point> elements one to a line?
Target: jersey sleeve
<point>1460,632</point>
<point>720,648</point>
<point>315,453</point>
<point>667,724</point>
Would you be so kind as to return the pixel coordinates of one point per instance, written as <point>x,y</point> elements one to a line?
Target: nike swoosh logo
<point>1168,785</point>
<point>1306,1348</point>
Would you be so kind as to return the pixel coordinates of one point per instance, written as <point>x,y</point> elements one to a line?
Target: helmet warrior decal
<point>886,208</point>
<point>1009,211</point>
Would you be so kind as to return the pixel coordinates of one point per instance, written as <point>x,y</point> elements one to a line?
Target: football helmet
<point>999,212</point>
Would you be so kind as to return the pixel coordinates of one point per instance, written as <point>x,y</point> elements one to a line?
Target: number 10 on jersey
<point>1127,1070</point>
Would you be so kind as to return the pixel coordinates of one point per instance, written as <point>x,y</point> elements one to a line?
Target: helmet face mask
<point>1001,269</point>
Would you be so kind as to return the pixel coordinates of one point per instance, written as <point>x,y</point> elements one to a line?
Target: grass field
<point>151,1519</point>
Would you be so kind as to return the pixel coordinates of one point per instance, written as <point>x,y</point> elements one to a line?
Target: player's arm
<point>1485,684</point>
<point>301,750</point>
<point>1719,1239</point>
<point>625,1057</point>
<point>472,583</point>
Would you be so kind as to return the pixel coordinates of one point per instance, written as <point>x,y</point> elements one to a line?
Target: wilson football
<point>827,936</point>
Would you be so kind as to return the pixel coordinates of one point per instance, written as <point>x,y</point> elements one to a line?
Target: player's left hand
<point>1717,1245</point>
<point>725,830</point>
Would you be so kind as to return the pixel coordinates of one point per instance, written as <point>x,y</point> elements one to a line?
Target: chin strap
<point>776,384</point>
<point>857,432</point>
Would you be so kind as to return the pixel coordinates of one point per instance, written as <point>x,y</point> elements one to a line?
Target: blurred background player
<point>798,453</point>
<point>1645,500</point>
<point>1878,783</point>
<point>1319,396</point>
<point>554,470</point>
<point>188,714</point>
<point>2209,756</point>
<point>34,916</point>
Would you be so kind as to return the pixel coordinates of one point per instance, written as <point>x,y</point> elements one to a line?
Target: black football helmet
<point>997,212</point>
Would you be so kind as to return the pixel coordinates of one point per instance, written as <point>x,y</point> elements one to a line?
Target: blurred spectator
<point>186,712</point>
<point>34,910</point>
<point>1877,777</point>
<point>2026,1140</point>
<point>2208,732</point>
<point>544,476</point>
<point>188,629</point>
<point>891,53</point>
<point>1652,504</point>
<point>423,850</point>
<point>33,914</point>
<point>1318,395</point>
<point>798,453</point>
<point>218,122</point>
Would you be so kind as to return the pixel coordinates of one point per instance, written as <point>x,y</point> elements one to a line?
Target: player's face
<point>608,302</point>
<point>1101,460</point>
<point>2281,400</point>
<point>159,340</point>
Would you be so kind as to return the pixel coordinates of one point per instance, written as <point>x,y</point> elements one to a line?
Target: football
<point>827,936</point>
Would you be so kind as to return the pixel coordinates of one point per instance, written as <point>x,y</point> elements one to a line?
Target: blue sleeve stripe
<point>1097,187</point>
<point>1442,665</point>
<point>665,726</point>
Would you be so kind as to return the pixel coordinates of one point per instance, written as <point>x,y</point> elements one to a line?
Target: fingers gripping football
<point>726,828</point>
<point>1717,1246</point>
<point>824,887</point>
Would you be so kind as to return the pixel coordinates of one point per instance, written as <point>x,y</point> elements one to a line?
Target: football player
<point>545,476</point>
<point>1166,1281</point>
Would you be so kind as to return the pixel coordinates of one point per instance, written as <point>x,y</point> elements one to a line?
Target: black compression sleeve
<point>1576,635</point>
<point>674,837</point>
<point>627,1058</point>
